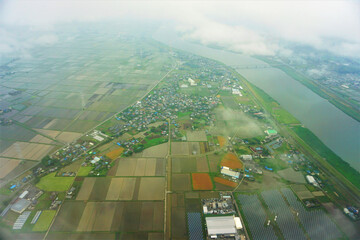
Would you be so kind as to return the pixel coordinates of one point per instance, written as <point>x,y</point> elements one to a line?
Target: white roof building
<point>246,157</point>
<point>224,225</point>
<point>192,82</point>
<point>228,172</point>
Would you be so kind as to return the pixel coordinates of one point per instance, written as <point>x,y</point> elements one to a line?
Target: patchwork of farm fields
<point>60,98</point>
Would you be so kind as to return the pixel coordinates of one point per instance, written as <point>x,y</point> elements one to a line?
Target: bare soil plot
<point>179,148</point>
<point>7,165</point>
<point>24,150</point>
<point>68,137</point>
<point>140,167</point>
<point>181,182</point>
<point>178,222</point>
<point>50,133</point>
<point>225,182</point>
<point>104,216</point>
<point>88,218</point>
<point>41,139</point>
<point>127,189</point>
<point>151,188</point>
<point>131,217</point>
<point>202,164</point>
<point>158,151</point>
<point>69,216</point>
<point>160,167</point>
<point>230,160</point>
<point>221,140</point>
<point>86,189</point>
<point>178,200</point>
<point>150,169</point>
<point>126,167</point>
<point>146,217</point>
<point>114,189</point>
<point>214,162</point>
<point>194,148</point>
<point>118,217</point>
<point>115,153</point>
<point>201,181</point>
<point>158,220</point>
<point>196,136</point>
<point>291,175</point>
<point>100,189</point>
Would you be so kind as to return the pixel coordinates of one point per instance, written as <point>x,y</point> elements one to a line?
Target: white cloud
<point>253,27</point>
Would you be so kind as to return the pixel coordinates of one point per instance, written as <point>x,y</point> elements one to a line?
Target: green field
<point>52,183</point>
<point>84,171</point>
<point>44,221</point>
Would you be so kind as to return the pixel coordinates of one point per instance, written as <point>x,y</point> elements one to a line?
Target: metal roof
<point>220,225</point>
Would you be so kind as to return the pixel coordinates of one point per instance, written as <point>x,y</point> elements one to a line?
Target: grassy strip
<point>333,98</point>
<point>44,221</point>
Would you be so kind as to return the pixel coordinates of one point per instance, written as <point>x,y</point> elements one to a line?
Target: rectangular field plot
<point>158,151</point>
<point>68,137</point>
<point>16,133</point>
<point>138,216</point>
<point>180,148</point>
<point>256,218</point>
<point>285,218</point>
<point>24,150</point>
<point>317,223</point>
<point>196,136</point>
<point>140,167</point>
<point>86,189</point>
<point>152,188</point>
<point>7,165</point>
<point>181,182</point>
<point>68,217</point>
<point>201,181</point>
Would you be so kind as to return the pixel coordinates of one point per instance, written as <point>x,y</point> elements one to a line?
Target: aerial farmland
<point>131,139</point>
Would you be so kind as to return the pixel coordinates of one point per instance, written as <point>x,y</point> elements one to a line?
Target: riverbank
<point>309,142</point>
<point>333,98</point>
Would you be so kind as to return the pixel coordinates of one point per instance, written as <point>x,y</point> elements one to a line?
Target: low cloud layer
<point>251,27</point>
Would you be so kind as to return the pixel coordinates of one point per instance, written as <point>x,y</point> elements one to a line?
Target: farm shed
<point>228,172</point>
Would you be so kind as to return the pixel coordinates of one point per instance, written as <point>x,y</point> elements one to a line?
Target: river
<point>337,130</point>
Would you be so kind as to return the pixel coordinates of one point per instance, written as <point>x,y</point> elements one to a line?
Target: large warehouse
<point>221,226</point>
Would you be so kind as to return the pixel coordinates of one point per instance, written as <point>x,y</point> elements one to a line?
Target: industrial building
<point>20,205</point>
<point>224,226</point>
